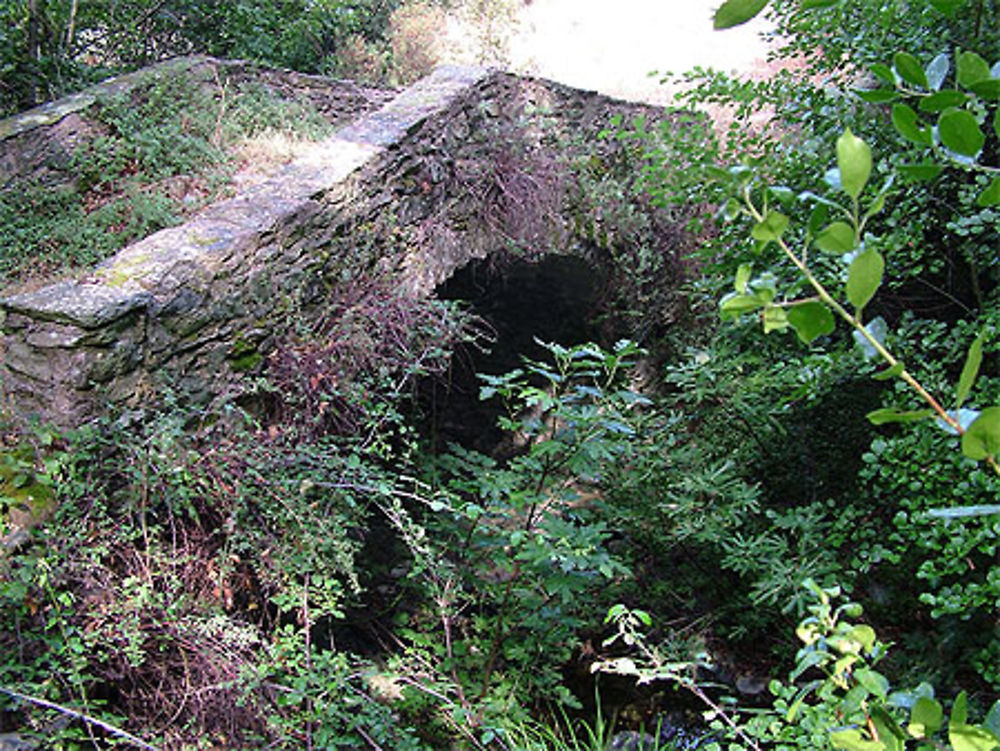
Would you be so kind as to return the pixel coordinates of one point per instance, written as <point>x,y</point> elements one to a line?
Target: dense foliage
<point>312,575</point>
<point>156,155</point>
<point>50,46</point>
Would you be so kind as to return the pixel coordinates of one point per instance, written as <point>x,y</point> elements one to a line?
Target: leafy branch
<point>815,317</point>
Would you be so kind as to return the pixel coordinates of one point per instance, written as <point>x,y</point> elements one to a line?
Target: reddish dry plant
<point>368,348</point>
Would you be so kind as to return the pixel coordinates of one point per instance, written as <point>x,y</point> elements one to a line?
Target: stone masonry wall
<point>457,166</point>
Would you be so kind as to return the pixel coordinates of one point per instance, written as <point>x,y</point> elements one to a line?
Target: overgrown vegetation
<point>156,155</point>
<point>51,47</point>
<point>303,572</point>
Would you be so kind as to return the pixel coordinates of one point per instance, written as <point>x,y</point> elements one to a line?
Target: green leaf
<point>855,696</point>
<point>989,89</point>
<point>890,415</point>
<point>884,73</point>
<point>878,203</point>
<point>742,277</point>
<point>864,635</point>
<point>775,319</point>
<point>910,69</point>
<point>992,721</point>
<point>990,196</point>
<point>851,739</point>
<point>972,738</point>
<point>906,699</point>
<point>888,730</point>
<point>774,224</point>
<point>948,7</point>
<point>970,370</point>
<point>920,172</point>
<point>854,162</point>
<point>908,123</point>
<point>817,218</point>
<point>873,681</point>
<point>971,68</point>
<point>864,276</point>
<point>960,132</point>
<point>996,122</point>
<point>889,373</point>
<point>811,320</point>
<point>813,4</point>
<point>836,238</point>
<point>733,305</point>
<point>937,71</point>
<point>877,96</point>
<point>736,12</point>
<point>982,439</point>
<point>942,100</point>
<point>959,711</point>
<point>926,718</point>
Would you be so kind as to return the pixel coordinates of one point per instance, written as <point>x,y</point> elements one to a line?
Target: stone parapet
<point>439,175</point>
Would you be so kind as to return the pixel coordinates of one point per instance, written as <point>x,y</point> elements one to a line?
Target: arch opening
<point>552,299</point>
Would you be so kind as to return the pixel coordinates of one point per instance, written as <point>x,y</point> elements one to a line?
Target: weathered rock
<point>447,171</point>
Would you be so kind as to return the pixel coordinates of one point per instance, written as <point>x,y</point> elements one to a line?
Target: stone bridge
<point>464,164</point>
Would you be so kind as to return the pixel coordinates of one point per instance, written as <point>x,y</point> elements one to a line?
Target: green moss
<point>126,270</point>
<point>244,356</point>
<point>24,499</point>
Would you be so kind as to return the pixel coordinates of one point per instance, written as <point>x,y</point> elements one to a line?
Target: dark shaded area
<point>553,299</point>
<point>819,450</point>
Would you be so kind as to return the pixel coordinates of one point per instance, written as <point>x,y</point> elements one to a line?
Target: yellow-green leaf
<point>959,710</point>
<point>990,196</point>
<point>836,238</point>
<point>972,738</point>
<point>926,718</point>
<point>971,68</point>
<point>982,439</point>
<point>774,224</point>
<point>742,277</point>
<point>811,319</point>
<point>889,415</point>
<point>854,161</point>
<point>864,276</point>
<point>734,304</point>
<point>851,739</point>
<point>969,371</point>
<point>775,319</point>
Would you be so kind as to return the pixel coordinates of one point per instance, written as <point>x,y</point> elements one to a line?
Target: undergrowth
<point>158,154</point>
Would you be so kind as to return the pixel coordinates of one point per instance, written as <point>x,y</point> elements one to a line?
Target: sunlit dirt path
<point>613,45</point>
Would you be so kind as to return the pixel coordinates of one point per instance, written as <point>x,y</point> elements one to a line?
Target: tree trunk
<point>34,50</point>
<point>71,27</point>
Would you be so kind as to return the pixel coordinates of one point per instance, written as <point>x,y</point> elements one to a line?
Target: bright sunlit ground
<point>612,45</point>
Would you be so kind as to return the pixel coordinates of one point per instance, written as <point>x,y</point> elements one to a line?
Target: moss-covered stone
<point>25,500</point>
<point>244,356</point>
